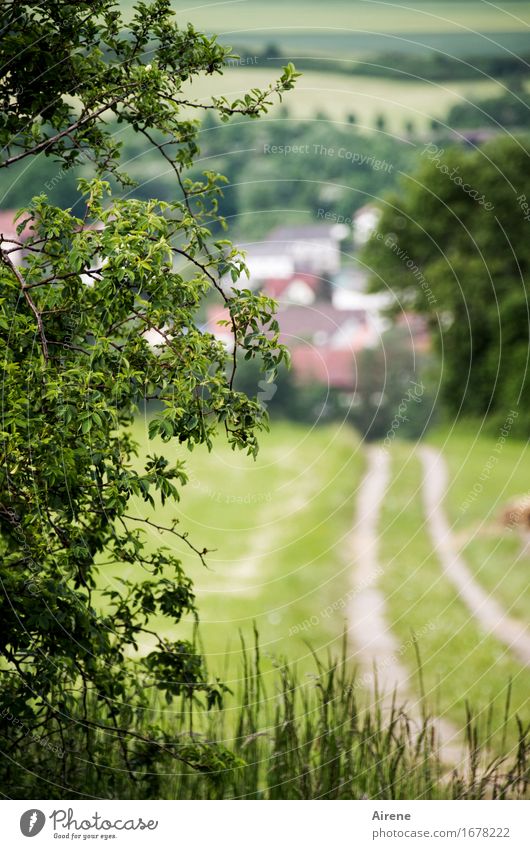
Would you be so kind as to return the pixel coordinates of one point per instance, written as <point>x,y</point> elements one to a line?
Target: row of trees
<point>433,65</point>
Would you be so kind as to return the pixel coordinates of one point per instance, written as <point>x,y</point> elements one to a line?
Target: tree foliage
<point>453,245</point>
<point>99,313</point>
<point>510,109</point>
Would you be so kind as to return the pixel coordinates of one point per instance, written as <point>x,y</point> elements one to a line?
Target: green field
<point>279,527</point>
<point>342,31</point>
<point>346,29</point>
<point>460,664</point>
<point>361,16</point>
<point>337,95</point>
<point>470,16</point>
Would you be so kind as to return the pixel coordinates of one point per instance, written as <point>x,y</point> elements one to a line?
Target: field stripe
<point>377,647</point>
<point>485,609</point>
<point>367,609</point>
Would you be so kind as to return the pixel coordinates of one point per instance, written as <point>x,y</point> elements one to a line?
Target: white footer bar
<point>266,825</point>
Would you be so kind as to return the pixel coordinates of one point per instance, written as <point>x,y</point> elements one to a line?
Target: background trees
<point>461,220</point>
<point>81,294</point>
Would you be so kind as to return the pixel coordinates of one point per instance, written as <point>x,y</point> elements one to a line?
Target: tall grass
<point>316,739</point>
<point>300,738</point>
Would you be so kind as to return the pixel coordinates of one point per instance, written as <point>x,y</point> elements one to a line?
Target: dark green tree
<point>511,109</point>
<point>380,123</point>
<point>453,245</point>
<point>80,296</point>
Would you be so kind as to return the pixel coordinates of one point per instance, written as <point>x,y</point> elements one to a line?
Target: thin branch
<point>45,143</point>
<point>71,347</point>
<point>91,272</point>
<point>226,299</point>
<point>184,536</point>
<point>169,341</point>
<point>10,264</point>
<point>173,164</point>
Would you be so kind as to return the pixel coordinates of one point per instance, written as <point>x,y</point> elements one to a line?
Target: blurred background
<point>384,205</point>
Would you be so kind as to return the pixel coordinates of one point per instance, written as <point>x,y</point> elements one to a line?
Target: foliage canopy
<point>453,245</point>
<point>99,313</point>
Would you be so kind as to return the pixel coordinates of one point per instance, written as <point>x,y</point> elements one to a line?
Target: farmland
<point>283,560</point>
<point>335,96</point>
<point>321,23</point>
<point>341,33</point>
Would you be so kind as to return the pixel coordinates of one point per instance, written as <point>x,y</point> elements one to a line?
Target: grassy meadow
<point>278,529</point>
<point>487,471</point>
<point>460,664</point>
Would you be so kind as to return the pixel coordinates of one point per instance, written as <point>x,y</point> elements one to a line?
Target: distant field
<point>337,95</point>
<point>356,15</point>
<point>343,29</point>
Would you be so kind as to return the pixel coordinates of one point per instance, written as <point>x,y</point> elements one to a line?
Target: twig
<point>184,536</point>
<point>10,264</point>
<point>58,136</point>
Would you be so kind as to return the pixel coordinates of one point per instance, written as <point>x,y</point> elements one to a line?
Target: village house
<point>301,249</point>
<point>322,340</point>
<point>365,222</point>
<point>326,317</point>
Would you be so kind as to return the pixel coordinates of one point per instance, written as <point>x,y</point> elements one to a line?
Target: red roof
<point>302,322</point>
<point>312,360</point>
<point>275,288</point>
<point>324,365</point>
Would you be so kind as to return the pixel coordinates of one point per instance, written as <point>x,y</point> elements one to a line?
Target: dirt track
<point>376,646</point>
<point>485,609</point>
